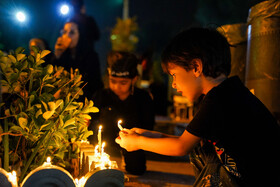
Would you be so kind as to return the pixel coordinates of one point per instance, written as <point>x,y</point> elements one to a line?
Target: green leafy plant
<point>40,112</point>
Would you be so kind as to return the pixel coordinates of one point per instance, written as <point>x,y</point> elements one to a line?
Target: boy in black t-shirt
<point>245,135</point>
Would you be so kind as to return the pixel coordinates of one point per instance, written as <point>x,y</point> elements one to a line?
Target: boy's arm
<point>166,145</point>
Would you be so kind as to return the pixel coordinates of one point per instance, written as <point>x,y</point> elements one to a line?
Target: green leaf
<point>31,99</point>
<point>38,113</point>
<point>85,116</point>
<point>71,107</point>
<point>16,129</point>
<point>19,50</point>
<point>52,106</point>
<point>45,105</point>
<point>49,68</point>
<point>69,122</point>
<point>45,125</point>
<point>20,56</point>
<point>23,123</point>
<point>38,58</point>
<point>93,110</point>
<point>49,85</point>
<point>40,61</point>
<point>44,53</point>
<point>13,59</point>
<point>86,135</point>
<point>58,103</point>
<point>35,49</point>
<point>48,114</point>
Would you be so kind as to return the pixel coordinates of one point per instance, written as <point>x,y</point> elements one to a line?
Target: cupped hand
<point>128,139</point>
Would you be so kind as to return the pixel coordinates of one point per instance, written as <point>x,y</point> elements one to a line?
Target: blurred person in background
<point>92,31</point>
<point>72,50</point>
<point>122,100</point>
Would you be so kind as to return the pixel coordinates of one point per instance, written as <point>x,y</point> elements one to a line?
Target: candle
<point>99,138</point>
<point>80,182</point>
<point>102,150</point>
<point>48,162</point>
<point>96,149</point>
<point>13,178</point>
<point>119,125</point>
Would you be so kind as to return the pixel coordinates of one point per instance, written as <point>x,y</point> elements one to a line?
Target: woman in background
<point>73,51</point>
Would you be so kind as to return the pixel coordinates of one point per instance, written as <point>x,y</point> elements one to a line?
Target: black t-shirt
<point>241,128</point>
<point>135,111</point>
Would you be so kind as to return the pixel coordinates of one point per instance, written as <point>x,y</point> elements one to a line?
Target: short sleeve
<point>208,121</point>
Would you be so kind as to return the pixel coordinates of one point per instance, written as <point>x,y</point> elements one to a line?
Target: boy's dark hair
<point>122,64</point>
<point>208,45</point>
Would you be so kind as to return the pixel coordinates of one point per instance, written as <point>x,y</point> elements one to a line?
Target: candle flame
<point>103,144</point>
<point>14,173</point>
<point>100,127</point>
<point>119,125</point>
<point>48,159</point>
<point>119,122</point>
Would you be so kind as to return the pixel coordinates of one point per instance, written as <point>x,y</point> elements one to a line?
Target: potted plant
<point>40,112</point>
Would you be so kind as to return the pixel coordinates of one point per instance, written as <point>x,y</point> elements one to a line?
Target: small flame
<point>119,125</point>
<point>100,127</point>
<point>48,159</point>
<point>14,173</point>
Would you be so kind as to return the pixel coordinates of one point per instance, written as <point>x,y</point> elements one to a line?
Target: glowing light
<point>102,149</point>
<point>48,160</point>
<point>80,182</point>
<point>99,138</point>
<point>119,125</point>
<point>113,37</point>
<point>64,9</point>
<point>13,178</point>
<point>20,16</point>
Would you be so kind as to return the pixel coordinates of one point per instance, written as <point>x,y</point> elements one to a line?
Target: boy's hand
<point>128,139</point>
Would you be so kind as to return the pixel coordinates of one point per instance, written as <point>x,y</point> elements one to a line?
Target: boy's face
<point>185,82</point>
<point>120,86</point>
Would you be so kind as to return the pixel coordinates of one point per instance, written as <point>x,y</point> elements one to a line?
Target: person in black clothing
<point>243,132</point>
<point>91,29</point>
<point>72,51</point>
<point>122,100</point>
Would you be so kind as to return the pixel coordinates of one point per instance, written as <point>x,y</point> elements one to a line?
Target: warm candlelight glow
<point>80,182</point>
<point>119,125</point>
<point>102,149</point>
<point>13,178</point>
<point>99,137</point>
<point>49,160</point>
<point>96,149</point>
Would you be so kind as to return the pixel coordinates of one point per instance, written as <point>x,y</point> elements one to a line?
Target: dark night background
<point>159,20</point>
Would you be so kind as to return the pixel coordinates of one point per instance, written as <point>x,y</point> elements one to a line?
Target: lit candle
<point>96,149</point>
<point>102,150</point>
<point>80,182</point>
<point>48,162</point>
<point>119,125</point>
<point>13,178</point>
<point>99,138</point>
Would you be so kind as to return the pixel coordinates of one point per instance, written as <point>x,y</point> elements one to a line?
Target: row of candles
<point>101,159</point>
